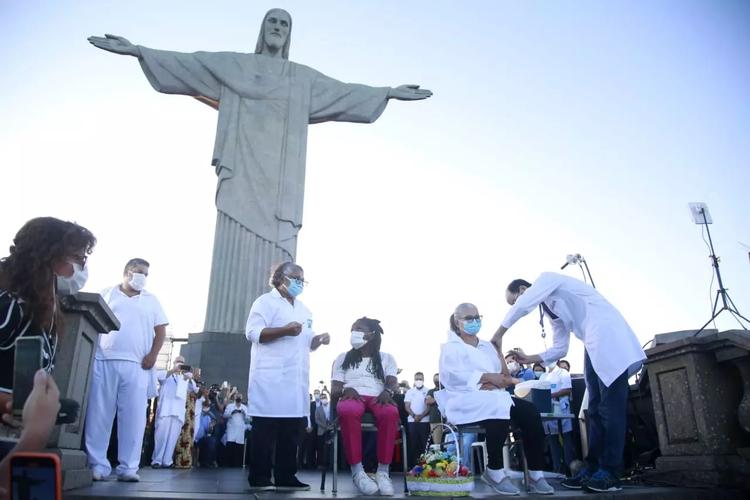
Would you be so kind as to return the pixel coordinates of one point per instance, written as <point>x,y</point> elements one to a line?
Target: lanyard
<point>541,323</point>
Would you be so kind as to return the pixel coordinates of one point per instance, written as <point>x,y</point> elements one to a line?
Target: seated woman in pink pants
<point>364,379</point>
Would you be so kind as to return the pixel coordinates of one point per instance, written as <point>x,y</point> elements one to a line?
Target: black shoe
<point>602,481</point>
<point>156,466</point>
<point>292,484</point>
<point>262,485</point>
<point>578,481</point>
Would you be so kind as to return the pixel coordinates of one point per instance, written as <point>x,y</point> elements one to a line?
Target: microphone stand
<point>588,271</point>
<point>726,300</point>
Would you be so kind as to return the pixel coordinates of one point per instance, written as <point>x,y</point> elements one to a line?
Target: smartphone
<point>35,475</point>
<point>186,368</point>
<point>28,360</point>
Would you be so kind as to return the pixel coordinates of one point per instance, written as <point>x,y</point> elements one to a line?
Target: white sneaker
<point>364,484</point>
<point>540,487</point>
<point>98,476</point>
<point>504,487</point>
<point>384,483</point>
<point>129,478</point>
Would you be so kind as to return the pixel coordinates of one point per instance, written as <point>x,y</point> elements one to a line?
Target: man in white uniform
<point>235,416</point>
<point>280,329</point>
<point>613,353</point>
<point>122,374</point>
<point>418,424</point>
<point>562,388</point>
<point>170,411</point>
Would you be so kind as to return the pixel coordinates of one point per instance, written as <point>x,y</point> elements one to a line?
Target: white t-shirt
<point>416,398</point>
<point>561,379</point>
<point>360,378</point>
<point>138,316</point>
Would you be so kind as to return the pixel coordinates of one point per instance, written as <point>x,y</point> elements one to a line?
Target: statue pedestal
<point>86,316</point>
<point>220,356</point>
<point>701,398</point>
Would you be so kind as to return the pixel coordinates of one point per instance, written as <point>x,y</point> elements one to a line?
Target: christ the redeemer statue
<point>265,103</point>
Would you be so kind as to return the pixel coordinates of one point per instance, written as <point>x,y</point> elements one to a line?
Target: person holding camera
<point>170,410</point>
<point>39,415</point>
<point>122,374</point>
<point>207,437</point>
<point>280,329</point>
<point>235,415</point>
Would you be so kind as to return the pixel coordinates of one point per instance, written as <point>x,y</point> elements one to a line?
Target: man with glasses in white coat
<point>613,353</point>
<point>280,329</point>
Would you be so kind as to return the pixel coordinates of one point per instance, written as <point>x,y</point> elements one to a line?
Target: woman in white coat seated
<point>474,377</point>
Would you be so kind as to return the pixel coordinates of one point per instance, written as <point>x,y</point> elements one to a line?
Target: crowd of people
<point>280,426</point>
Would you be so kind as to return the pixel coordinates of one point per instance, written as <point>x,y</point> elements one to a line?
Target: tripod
<point>726,300</point>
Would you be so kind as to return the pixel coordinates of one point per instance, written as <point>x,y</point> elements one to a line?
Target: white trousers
<point>166,434</point>
<point>116,386</point>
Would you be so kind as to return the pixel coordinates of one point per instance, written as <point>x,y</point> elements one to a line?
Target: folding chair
<point>368,425</point>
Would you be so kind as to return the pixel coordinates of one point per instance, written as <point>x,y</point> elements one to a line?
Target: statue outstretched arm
<point>116,44</point>
<point>409,93</point>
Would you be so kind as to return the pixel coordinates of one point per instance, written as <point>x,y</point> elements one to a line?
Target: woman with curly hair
<point>47,257</point>
<point>364,379</point>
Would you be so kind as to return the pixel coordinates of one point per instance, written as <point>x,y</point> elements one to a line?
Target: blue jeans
<point>607,420</point>
<point>466,458</point>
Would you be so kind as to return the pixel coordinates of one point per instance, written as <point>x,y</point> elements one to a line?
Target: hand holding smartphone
<point>27,361</point>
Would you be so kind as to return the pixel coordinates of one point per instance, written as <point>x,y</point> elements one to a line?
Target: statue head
<point>275,33</point>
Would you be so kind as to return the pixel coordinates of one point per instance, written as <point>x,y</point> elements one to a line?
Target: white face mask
<point>70,285</point>
<point>324,402</point>
<point>513,367</point>
<point>357,340</point>
<point>137,282</point>
<point>418,384</point>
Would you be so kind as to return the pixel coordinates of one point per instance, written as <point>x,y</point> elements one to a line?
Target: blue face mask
<point>294,287</point>
<point>472,327</point>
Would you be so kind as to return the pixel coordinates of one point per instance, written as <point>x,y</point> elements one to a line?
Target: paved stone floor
<point>231,484</point>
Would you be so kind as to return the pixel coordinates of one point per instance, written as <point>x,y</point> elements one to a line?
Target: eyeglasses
<point>478,317</point>
<point>299,281</point>
<point>79,259</point>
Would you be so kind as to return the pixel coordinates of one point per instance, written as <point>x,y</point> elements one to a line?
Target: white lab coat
<point>461,367</point>
<point>279,378</point>
<point>609,341</point>
<point>235,423</point>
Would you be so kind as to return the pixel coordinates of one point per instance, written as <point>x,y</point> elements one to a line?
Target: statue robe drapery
<point>265,106</point>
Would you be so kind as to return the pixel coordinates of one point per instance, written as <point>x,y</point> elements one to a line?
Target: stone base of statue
<point>86,316</point>
<point>221,356</point>
<point>701,397</point>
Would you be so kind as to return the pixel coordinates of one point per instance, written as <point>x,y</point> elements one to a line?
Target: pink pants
<point>350,414</point>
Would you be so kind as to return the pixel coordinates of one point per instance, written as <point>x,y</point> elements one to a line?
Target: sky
<point>555,128</point>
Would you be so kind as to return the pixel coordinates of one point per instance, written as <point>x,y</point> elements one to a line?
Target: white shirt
<point>138,316</point>
<point>609,341</point>
<point>461,367</point>
<point>279,375</point>
<point>562,381</point>
<point>235,422</point>
<point>360,377</point>
<point>173,390</point>
<point>416,398</point>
